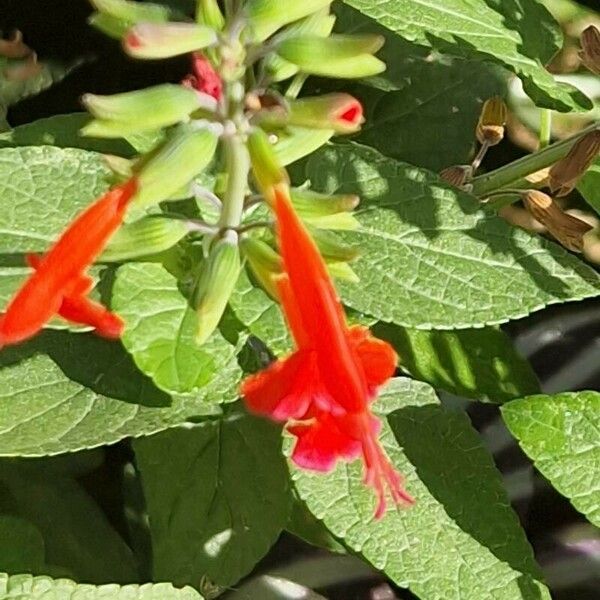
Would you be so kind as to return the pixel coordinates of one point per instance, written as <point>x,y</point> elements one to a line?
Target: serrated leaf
<point>430,257</point>
<point>561,434</point>
<point>77,535</point>
<point>62,131</point>
<point>422,101</point>
<point>160,330</point>
<point>589,186</point>
<point>42,189</point>
<point>27,587</point>
<point>261,315</point>
<point>217,496</point>
<point>21,545</point>
<point>63,392</point>
<point>521,36</point>
<point>475,363</point>
<point>460,540</point>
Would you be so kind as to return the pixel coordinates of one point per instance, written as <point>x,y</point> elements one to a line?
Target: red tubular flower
<point>204,78</point>
<point>59,284</point>
<point>326,385</point>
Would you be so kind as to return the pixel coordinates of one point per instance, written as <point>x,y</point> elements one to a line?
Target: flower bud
<point>339,56</point>
<point>320,24</point>
<point>590,49</point>
<point>568,230</point>
<point>174,165</point>
<point>216,283</point>
<point>265,264</point>
<point>565,174</point>
<point>341,112</point>
<point>208,13</point>
<point>265,17</point>
<point>490,127</point>
<point>298,142</point>
<point>457,175</point>
<point>122,168</point>
<point>332,248</point>
<point>325,212</point>
<point>152,108</point>
<point>150,235</point>
<point>343,271</point>
<point>132,12</point>
<point>163,40</point>
<point>110,26</point>
<point>266,166</point>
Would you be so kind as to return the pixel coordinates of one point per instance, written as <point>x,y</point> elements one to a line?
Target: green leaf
<point>12,90</point>
<point>27,587</point>
<point>77,535</point>
<point>63,392</point>
<point>475,363</point>
<point>62,131</point>
<point>261,315</point>
<point>431,257</point>
<point>521,36</point>
<point>21,545</point>
<point>422,101</point>
<point>42,189</point>
<point>160,330</point>
<point>589,186</point>
<point>561,434</point>
<point>217,496</point>
<point>460,540</point>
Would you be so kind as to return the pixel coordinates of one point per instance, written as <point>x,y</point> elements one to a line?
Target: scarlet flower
<point>325,387</point>
<point>204,78</point>
<point>59,284</point>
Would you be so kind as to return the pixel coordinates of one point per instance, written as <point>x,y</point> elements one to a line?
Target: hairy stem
<point>510,174</point>
<point>237,162</point>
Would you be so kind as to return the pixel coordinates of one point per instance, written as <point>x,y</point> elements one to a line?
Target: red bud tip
<point>132,41</point>
<point>353,115</point>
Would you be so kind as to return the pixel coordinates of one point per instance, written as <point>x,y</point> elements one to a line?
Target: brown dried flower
<point>567,229</point>
<point>456,175</point>
<point>490,127</point>
<point>15,47</point>
<point>590,49</point>
<point>565,174</point>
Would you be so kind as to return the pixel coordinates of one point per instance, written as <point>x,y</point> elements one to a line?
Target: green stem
<point>237,162</point>
<point>509,174</point>
<point>545,127</point>
<point>295,87</point>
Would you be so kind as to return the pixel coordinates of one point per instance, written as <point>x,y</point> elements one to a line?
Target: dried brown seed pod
<point>590,49</point>
<point>490,127</point>
<point>457,175</point>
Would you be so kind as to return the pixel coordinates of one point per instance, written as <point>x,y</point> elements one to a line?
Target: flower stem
<point>238,166</point>
<point>545,127</point>
<point>509,174</point>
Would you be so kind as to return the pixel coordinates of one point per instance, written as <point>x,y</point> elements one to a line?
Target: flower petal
<point>377,357</point>
<point>286,389</point>
<point>82,310</point>
<point>321,443</point>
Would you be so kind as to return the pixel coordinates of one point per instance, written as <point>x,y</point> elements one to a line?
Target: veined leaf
<point>431,257</point>
<point>217,497</point>
<point>475,363</point>
<point>460,540</point>
<point>160,330</point>
<point>589,186</point>
<point>521,36</point>
<point>27,587</point>
<point>561,434</point>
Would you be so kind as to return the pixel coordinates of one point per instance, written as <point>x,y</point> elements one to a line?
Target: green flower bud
<point>216,283</point>
<point>339,56</point>
<point>208,13</point>
<point>325,212</point>
<point>265,17</point>
<point>266,167</point>
<point>342,270</point>
<point>132,12</point>
<point>110,26</point>
<point>332,248</point>
<point>341,112</point>
<point>149,235</point>
<point>265,264</point>
<point>122,168</point>
<point>320,23</point>
<point>158,40</point>
<point>152,108</point>
<point>298,142</point>
<point>174,164</point>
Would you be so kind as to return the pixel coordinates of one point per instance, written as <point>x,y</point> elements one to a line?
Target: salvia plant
<point>256,279</point>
